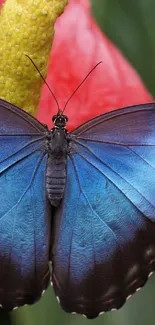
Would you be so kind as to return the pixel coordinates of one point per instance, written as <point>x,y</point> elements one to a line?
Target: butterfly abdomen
<point>55,179</point>
<point>56,165</point>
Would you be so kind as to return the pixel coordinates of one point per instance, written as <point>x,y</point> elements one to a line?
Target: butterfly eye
<point>54,118</point>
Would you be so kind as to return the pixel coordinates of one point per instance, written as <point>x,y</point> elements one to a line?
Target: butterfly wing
<point>104,237</point>
<point>24,215</point>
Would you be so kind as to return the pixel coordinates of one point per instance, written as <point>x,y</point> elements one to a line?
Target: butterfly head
<point>60,120</point>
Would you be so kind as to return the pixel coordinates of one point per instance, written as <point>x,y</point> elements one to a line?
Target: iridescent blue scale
<point>101,180</point>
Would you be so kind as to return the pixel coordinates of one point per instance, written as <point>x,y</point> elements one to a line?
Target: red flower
<point>78,45</point>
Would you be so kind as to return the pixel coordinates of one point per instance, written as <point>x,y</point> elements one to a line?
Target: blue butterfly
<point>84,200</point>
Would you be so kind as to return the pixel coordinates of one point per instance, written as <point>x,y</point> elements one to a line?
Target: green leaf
<point>131,26</point>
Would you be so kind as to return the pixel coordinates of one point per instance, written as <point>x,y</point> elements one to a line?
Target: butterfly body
<point>57,147</point>
<point>101,180</point>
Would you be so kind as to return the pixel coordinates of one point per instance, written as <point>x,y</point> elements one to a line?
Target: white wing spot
<point>58,300</point>
<point>101,313</point>
<point>15,308</point>
<point>129,297</point>
<point>138,289</point>
<point>43,292</point>
<point>150,274</point>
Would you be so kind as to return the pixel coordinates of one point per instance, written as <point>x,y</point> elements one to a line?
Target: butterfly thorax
<point>57,147</point>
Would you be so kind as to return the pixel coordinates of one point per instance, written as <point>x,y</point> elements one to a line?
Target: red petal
<point>79,44</point>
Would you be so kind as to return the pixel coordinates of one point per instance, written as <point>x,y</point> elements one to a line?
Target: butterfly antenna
<point>44,81</point>
<point>81,84</point>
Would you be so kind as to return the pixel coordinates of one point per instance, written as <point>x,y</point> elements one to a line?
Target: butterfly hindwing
<point>104,243</point>
<point>24,215</point>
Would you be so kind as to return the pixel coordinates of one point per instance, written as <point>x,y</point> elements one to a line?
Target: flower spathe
<point>78,45</point>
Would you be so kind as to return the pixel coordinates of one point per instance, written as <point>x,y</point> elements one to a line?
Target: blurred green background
<point>131,26</point>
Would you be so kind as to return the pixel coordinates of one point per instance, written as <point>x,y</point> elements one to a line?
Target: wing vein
<point>112,182</point>
<point>71,244</point>
<point>23,115</point>
<point>112,142</point>
<point>22,134</point>
<point>112,115</point>
<point>34,230</point>
<point>89,150</point>
<point>32,178</point>
<point>21,149</point>
<point>91,208</point>
<point>15,162</point>
<point>141,157</point>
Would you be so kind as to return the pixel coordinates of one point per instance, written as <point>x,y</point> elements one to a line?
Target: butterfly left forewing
<point>104,229</point>
<point>24,210</point>
<point>20,135</point>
